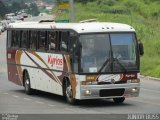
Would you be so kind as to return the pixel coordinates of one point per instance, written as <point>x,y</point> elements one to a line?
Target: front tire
<point>119,100</point>
<point>69,94</point>
<point>27,84</point>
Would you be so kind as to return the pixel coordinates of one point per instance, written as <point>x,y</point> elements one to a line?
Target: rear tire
<point>119,100</point>
<point>27,84</point>
<point>69,94</point>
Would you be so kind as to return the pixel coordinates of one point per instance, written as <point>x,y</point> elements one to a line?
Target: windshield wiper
<point>104,64</point>
<point>115,59</point>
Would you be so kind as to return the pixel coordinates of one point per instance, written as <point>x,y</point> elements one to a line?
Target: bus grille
<point>111,92</point>
<point>117,82</point>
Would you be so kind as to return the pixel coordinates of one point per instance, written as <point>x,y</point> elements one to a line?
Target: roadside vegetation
<point>143,15</point>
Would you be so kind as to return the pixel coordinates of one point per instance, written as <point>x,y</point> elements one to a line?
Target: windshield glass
<point>108,53</point>
<point>124,51</point>
<point>95,51</point>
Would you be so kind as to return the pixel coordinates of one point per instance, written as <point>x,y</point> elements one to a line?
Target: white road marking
<point>151,90</point>
<point>6,93</point>
<point>146,102</point>
<point>39,102</point>
<point>70,109</point>
<point>26,99</point>
<point>15,96</point>
<point>51,105</point>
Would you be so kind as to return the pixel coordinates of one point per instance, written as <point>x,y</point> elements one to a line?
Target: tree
<point>3,9</point>
<point>33,10</point>
<point>23,5</point>
<point>15,7</point>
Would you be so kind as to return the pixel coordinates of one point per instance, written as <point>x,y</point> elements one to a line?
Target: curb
<point>149,78</point>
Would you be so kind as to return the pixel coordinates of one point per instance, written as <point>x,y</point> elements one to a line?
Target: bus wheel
<point>119,100</point>
<point>69,94</point>
<point>27,84</point>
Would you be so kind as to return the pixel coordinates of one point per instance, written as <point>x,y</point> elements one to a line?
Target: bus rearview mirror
<point>141,48</point>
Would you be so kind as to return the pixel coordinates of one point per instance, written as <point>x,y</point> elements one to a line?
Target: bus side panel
<point>52,78</point>
<point>13,74</point>
<point>41,68</point>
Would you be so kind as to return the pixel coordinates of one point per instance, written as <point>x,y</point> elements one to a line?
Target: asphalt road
<point>13,100</point>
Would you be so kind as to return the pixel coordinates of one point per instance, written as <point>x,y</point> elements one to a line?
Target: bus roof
<point>78,27</point>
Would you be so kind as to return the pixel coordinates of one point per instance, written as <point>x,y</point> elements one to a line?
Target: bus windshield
<point>115,52</point>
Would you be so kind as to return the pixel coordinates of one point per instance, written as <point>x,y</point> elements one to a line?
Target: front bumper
<point>109,91</point>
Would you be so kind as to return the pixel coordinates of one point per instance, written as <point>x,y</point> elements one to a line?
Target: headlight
<point>134,89</point>
<point>87,92</point>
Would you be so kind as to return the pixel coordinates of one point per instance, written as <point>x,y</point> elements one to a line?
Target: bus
<point>75,60</point>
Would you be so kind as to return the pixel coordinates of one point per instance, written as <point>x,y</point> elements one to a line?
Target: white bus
<point>75,60</point>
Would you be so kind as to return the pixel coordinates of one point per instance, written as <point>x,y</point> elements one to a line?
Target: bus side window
<point>64,41</point>
<point>9,35</point>
<point>15,42</point>
<point>52,40</point>
<point>33,39</point>
<point>42,40</point>
<point>24,39</point>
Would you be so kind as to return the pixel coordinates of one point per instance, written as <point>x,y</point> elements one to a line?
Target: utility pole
<point>72,11</point>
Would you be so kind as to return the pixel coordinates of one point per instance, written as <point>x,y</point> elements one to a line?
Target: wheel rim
<point>27,84</point>
<point>69,92</point>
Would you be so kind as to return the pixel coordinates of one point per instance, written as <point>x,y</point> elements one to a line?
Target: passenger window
<point>52,40</point>
<point>42,40</point>
<point>24,39</point>
<point>33,39</point>
<point>15,42</point>
<point>64,41</point>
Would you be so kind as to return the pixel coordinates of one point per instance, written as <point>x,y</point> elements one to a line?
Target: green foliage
<point>3,9</point>
<point>33,10</point>
<point>84,1</point>
<point>15,7</point>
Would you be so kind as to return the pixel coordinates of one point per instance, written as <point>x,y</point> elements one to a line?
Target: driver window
<point>74,51</point>
<point>117,52</point>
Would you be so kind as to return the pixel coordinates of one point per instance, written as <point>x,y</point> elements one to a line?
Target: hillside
<point>143,15</point>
